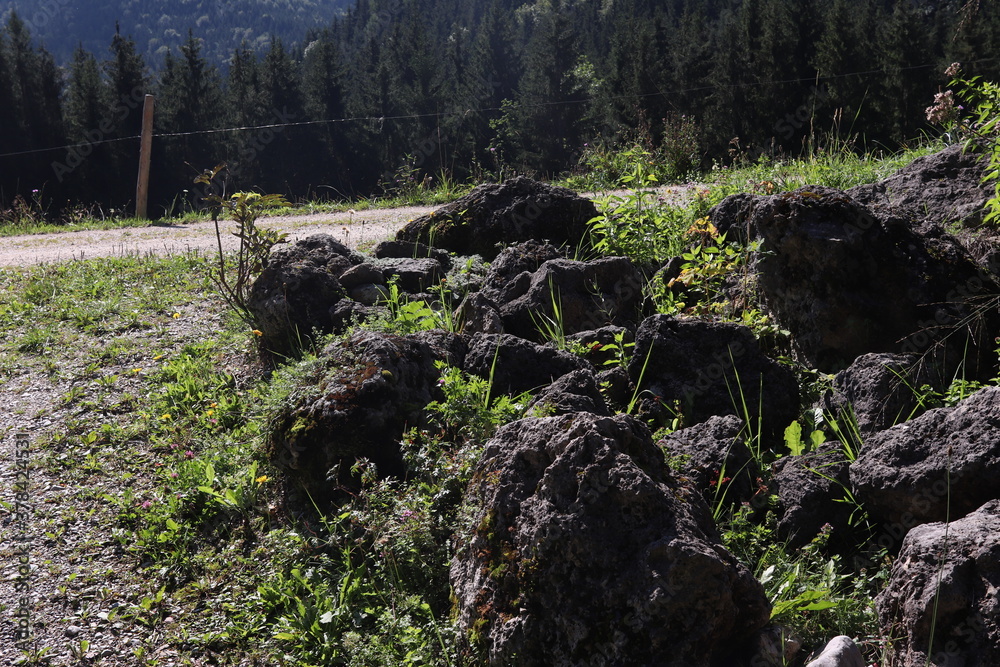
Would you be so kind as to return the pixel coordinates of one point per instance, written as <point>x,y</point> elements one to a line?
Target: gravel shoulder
<point>353,229</point>
<point>356,230</point>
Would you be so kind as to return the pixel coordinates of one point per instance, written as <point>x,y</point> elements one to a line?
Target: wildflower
<point>257,332</point>
<point>176,316</point>
<point>173,475</point>
<point>943,109</point>
<point>146,504</point>
<point>189,454</point>
<point>262,479</point>
<point>210,412</point>
<point>954,70</point>
<point>165,416</point>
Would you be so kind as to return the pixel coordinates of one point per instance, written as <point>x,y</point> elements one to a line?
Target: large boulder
<point>516,259</point>
<point>574,392</point>
<point>710,368</point>
<point>946,187</point>
<point>297,291</point>
<point>413,275</point>
<point>580,548</point>
<point>939,466</point>
<point>360,397</point>
<point>812,492</point>
<point>564,296</point>
<point>878,391</point>
<point>492,216</point>
<point>411,250</point>
<point>515,365</point>
<point>715,456</point>
<point>942,602</point>
<point>845,282</point>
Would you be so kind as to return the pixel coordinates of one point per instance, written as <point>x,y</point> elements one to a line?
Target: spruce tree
<point>902,56</point>
<point>36,112</point>
<point>190,107</point>
<point>327,155</point>
<point>245,107</point>
<point>543,128</point>
<point>282,97</point>
<point>89,124</point>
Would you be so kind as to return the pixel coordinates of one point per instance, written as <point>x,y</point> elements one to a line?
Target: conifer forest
<point>397,90</point>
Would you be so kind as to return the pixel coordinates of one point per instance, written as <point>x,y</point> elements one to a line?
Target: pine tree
<point>8,119</point>
<point>327,154</point>
<point>282,97</point>
<point>494,72</point>
<point>906,83</point>
<point>687,63</point>
<point>89,124</point>
<point>544,127</point>
<point>245,107</point>
<point>842,63</point>
<point>726,119</point>
<point>189,105</point>
<point>127,83</point>
<point>35,109</point>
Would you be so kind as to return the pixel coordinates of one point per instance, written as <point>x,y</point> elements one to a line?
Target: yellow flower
<point>257,332</point>
<point>262,479</point>
<point>177,316</point>
<point>210,412</point>
<point>165,417</point>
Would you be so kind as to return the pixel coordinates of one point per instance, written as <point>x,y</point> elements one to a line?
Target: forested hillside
<point>400,89</point>
<point>161,26</point>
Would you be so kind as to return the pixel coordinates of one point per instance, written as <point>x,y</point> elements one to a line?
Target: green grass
<point>841,169</point>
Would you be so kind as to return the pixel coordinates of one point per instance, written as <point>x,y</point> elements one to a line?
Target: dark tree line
<point>403,89</point>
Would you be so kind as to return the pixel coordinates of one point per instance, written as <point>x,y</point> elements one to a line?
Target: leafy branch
<point>255,242</point>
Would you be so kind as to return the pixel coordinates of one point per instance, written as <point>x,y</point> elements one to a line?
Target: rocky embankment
<point>582,546</point>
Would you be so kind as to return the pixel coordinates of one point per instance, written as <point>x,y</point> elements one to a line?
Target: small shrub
<point>255,242</point>
<point>979,125</point>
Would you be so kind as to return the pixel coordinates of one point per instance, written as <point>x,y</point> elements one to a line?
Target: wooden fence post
<point>145,147</point>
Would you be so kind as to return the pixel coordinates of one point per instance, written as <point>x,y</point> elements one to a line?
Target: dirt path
<point>353,229</point>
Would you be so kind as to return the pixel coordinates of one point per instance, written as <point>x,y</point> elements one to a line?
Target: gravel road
<point>353,229</point>
<point>358,229</point>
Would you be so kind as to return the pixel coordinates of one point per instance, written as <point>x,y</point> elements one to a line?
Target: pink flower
<point>189,454</point>
<point>146,504</point>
